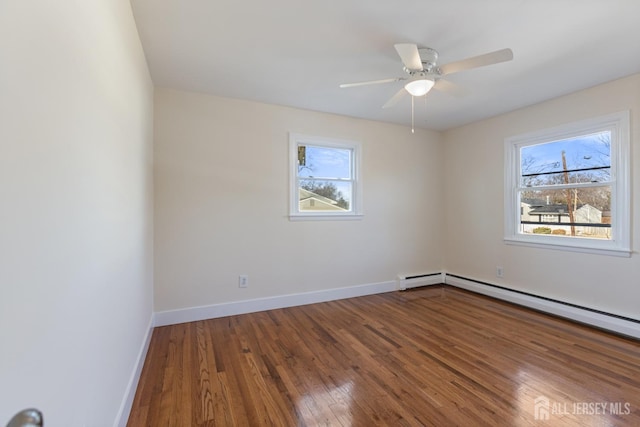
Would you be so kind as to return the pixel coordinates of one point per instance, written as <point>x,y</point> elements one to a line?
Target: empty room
<point>409,213</point>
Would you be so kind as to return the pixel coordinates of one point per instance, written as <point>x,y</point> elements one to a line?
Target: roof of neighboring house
<point>306,194</point>
<point>325,203</point>
<point>534,202</point>
<point>555,209</point>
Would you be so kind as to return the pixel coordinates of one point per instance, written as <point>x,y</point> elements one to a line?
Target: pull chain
<point>412,113</point>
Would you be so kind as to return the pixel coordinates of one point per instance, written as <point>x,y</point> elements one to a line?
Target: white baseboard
<point>193,314</point>
<point>132,386</point>
<point>582,315</point>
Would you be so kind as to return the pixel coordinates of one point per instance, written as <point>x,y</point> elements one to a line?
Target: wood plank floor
<point>435,356</point>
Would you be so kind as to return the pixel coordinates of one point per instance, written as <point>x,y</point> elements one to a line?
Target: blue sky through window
<point>587,151</point>
<point>325,162</point>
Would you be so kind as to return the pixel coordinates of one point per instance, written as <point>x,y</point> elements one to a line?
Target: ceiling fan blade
<point>477,61</point>
<point>451,88</point>
<point>410,56</point>
<point>372,82</point>
<point>395,98</point>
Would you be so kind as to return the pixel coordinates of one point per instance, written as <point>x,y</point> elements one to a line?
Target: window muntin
<point>324,178</point>
<point>568,187</point>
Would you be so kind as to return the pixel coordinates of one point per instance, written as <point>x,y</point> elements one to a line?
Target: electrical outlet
<point>243,281</point>
<point>499,272</point>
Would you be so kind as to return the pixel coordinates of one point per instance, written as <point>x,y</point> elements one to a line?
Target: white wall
<point>76,218</point>
<point>474,193</point>
<point>221,203</point>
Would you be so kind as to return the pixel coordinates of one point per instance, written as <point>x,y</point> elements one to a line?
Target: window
<point>324,178</point>
<point>569,187</point>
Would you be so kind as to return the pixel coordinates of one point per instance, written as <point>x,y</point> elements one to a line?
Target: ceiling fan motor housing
<point>428,57</point>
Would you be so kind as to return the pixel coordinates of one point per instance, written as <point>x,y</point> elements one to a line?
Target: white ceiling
<point>297,52</point>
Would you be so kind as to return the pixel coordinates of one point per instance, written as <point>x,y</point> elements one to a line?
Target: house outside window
<point>569,187</point>
<point>324,178</point>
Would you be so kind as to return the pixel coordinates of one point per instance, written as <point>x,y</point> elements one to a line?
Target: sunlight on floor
<point>541,398</point>
<point>328,406</point>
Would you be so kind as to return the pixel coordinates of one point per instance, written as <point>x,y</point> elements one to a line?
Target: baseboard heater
<point>611,322</point>
<point>408,281</point>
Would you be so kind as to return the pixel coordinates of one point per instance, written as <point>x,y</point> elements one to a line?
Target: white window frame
<point>355,213</point>
<point>620,242</point>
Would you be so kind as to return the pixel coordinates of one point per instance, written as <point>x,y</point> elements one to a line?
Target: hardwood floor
<point>435,356</point>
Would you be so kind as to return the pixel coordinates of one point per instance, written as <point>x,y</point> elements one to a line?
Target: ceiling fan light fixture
<point>419,87</point>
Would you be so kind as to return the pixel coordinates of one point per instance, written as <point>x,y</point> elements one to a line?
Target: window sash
<point>620,242</point>
<point>355,203</point>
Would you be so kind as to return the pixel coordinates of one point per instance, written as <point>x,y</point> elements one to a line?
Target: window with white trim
<point>569,187</point>
<point>324,178</point>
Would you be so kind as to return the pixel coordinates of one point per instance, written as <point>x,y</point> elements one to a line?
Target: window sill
<point>609,250</point>
<point>325,217</point>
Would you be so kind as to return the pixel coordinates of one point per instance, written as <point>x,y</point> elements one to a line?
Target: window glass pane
<point>327,196</point>
<point>324,162</point>
<point>582,159</point>
<point>583,212</point>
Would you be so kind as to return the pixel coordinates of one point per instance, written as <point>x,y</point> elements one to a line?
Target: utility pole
<point>570,203</point>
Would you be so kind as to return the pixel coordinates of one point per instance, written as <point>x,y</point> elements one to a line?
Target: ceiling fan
<point>424,73</point>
